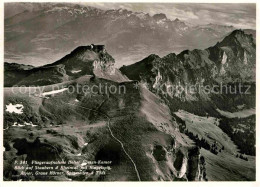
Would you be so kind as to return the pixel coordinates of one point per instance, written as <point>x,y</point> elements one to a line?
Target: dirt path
<point>111,133</point>
<point>122,145</point>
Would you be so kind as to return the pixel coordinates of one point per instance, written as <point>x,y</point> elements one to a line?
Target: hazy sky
<point>238,15</point>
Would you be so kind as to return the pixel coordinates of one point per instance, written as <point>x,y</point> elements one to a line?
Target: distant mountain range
<point>38,33</point>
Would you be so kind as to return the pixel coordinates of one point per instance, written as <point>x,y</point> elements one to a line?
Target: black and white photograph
<point>129,92</point>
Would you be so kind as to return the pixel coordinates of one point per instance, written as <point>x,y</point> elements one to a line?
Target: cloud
<point>238,15</point>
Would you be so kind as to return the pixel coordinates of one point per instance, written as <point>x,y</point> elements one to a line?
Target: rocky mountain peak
<point>159,16</point>
<point>238,37</point>
<point>86,50</point>
<point>231,60</point>
<point>152,57</point>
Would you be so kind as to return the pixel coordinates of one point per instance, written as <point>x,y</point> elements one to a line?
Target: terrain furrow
<point>111,133</point>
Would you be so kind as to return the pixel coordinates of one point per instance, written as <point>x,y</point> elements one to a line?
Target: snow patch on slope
<point>158,78</point>
<point>240,114</point>
<point>183,169</point>
<point>17,108</point>
<point>25,124</point>
<point>245,58</point>
<point>54,92</point>
<point>75,71</point>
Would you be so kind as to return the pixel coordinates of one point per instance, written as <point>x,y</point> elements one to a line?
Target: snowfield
<point>25,124</point>
<point>30,124</point>
<point>75,71</point>
<point>240,114</point>
<point>17,108</point>
<point>54,92</point>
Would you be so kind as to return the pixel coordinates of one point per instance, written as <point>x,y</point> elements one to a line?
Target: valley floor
<point>223,166</point>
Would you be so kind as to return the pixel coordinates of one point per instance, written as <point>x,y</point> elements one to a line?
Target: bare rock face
<point>182,76</point>
<point>84,60</point>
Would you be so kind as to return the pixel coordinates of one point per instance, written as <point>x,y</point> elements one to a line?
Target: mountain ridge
<point>184,137</point>
<point>246,44</point>
<point>128,35</point>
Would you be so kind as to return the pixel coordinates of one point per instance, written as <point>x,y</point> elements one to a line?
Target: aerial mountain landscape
<point>93,94</point>
<point>33,37</point>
